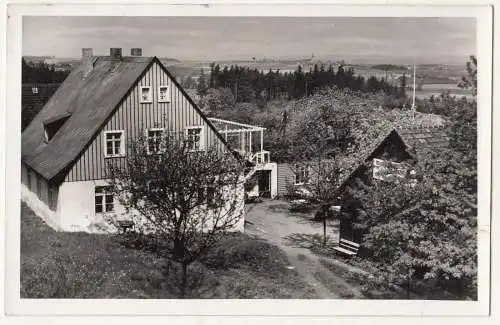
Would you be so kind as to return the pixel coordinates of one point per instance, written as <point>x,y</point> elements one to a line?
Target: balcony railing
<point>261,157</point>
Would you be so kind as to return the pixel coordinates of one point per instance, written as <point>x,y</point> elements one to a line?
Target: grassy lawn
<point>371,289</point>
<point>80,265</point>
<point>363,283</point>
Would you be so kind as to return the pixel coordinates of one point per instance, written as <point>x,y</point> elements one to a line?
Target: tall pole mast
<point>414,84</point>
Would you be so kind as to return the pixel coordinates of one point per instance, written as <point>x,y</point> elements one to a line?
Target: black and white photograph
<point>251,157</point>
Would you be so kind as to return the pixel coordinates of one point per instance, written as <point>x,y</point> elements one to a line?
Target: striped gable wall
<point>134,117</point>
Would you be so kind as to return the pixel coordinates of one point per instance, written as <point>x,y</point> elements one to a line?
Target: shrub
<point>239,250</point>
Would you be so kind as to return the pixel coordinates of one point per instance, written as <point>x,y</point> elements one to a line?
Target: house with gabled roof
<point>394,151</point>
<point>105,103</point>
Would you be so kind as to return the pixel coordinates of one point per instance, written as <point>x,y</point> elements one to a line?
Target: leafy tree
<point>470,81</point>
<point>42,73</point>
<point>189,83</point>
<point>217,101</point>
<point>202,84</point>
<point>423,229</point>
<point>182,201</point>
<point>402,86</point>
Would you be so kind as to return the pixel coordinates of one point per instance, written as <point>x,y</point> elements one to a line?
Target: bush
<point>239,250</point>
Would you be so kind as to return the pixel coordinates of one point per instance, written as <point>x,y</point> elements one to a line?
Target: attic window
<point>163,94</point>
<point>146,94</point>
<point>53,125</point>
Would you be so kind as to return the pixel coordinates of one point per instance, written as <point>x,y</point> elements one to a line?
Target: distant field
<point>436,89</point>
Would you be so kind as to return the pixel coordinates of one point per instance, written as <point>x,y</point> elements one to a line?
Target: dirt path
<point>295,233</point>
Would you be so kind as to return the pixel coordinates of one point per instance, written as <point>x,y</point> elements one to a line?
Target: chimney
<point>115,53</point>
<point>86,53</point>
<point>136,51</point>
<point>87,61</point>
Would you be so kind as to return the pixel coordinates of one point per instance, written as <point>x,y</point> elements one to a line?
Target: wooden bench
<point>347,247</point>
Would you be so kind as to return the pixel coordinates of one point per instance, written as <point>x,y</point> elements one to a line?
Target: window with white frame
<point>104,199</point>
<point>146,95</point>
<point>155,140</point>
<point>194,138</point>
<point>114,143</point>
<point>34,90</point>
<point>387,170</point>
<point>163,94</point>
<point>301,174</point>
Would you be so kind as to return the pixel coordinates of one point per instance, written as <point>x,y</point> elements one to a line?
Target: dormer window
<point>163,94</point>
<point>51,126</point>
<point>146,95</point>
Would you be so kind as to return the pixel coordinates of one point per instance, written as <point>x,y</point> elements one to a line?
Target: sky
<point>354,39</point>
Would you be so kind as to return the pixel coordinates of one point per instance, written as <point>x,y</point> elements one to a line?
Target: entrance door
<point>265,183</point>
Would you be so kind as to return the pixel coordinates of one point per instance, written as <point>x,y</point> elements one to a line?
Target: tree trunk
<point>408,285</point>
<point>324,230</point>
<point>184,281</point>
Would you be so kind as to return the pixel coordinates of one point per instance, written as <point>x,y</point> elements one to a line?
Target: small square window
<point>104,200</point>
<point>114,144</point>
<point>34,90</point>
<point>146,94</point>
<point>163,94</point>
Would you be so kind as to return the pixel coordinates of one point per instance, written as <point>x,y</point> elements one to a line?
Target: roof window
<point>51,126</point>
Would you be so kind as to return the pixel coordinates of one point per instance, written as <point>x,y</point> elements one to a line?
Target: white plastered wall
<point>76,211</point>
<point>37,204</point>
<point>39,207</point>
<point>76,207</point>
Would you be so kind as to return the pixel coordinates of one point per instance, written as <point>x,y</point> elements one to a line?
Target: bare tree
<point>186,199</point>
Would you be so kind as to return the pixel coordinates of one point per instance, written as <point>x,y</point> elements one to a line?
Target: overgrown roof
<point>424,137</point>
<point>414,138</point>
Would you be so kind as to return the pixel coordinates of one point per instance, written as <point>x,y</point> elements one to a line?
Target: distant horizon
<point>373,40</point>
<point>392,60</point>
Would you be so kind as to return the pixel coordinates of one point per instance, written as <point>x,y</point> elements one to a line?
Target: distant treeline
<point>249,84</point>
<point>42,73</point>
<point>388,67</point>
